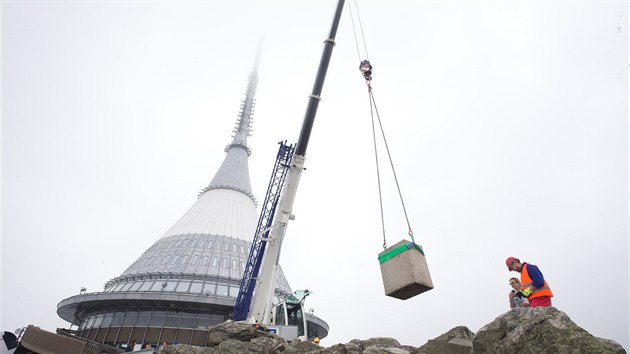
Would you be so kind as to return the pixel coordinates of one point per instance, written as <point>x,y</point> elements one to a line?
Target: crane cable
<point>366,70</point>
<point>354,31</point>
<point>373,109</point>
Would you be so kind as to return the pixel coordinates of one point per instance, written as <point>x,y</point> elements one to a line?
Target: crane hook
<point>366,70</point>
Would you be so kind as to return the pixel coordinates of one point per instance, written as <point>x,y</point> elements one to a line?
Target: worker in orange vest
<point>535,287</point>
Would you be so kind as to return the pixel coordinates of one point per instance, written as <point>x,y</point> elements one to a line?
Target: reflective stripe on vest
<point>527,282</point>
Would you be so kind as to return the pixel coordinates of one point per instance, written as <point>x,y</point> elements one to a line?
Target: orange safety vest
<point>527,282</point>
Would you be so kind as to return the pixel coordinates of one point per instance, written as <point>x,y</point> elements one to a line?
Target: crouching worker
<point>516,294</point>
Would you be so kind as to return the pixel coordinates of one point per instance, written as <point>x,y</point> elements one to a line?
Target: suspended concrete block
<point>404,270</point>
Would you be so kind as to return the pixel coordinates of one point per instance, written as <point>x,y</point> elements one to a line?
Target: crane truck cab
<point>288,319</point>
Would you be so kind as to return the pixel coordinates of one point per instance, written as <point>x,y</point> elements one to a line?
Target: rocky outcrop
<point>239,331</point>
<point>456,341</point>
<point>526,330</point>
<point>538,330</point>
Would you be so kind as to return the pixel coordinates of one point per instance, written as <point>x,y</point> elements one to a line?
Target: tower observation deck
<point>189,278</point>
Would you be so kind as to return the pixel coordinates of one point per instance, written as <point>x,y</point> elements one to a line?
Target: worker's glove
<point>527,292</point>
<point>519,294</point>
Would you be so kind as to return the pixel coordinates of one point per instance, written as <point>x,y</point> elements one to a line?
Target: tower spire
<point>234,171</point>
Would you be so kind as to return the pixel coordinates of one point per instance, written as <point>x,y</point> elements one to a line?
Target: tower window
<point>183,286</point>
<point>222,289</point>
<point>170,285</point>
<point>195,287</point>
<point>146,286</point>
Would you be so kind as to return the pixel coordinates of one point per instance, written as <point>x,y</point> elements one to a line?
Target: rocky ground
<point>526,330</point>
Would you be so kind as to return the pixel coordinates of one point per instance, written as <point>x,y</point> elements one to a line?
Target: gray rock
<point>461,342</point>
<point>376,342</point>
<point>456,341</point>
<point>352,348</point>
<point>411,350</point>
<point>380,345</point>
<point>386,350</point>
<point>541,330</point>
<point>237,330</point>
<point>348,348</point>
<point>302,347</point>
<point>233,346</point>
<point>273,343</point>
<point>457,332</point>
<point>185,349</point>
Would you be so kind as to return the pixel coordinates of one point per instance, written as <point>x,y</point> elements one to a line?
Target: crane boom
<point>260,311</point>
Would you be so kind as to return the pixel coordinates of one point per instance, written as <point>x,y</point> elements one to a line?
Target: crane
<point>263,262</point>
<point>265,222</point>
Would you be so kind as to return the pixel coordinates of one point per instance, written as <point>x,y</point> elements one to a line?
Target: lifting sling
<point>403,266</point>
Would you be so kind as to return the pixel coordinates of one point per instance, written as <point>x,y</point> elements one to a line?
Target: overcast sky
<point>506,120</point>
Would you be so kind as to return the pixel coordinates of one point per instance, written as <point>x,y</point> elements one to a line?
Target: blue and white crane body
<point>264,258</point>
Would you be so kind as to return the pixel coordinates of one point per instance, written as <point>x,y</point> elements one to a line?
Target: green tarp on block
<point>393,252</point>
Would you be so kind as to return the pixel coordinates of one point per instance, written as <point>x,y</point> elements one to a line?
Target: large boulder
<point>233,337</point>
<point>302,347</point>
<point>380,345</point>
<point>377,342</point>
<point>186,349</point>
<point>348,348</point>
<point>230,346</point>
<point>540,330</point>
<point>456,341</point>
<point>233,346</point>
<point>236,330</point>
